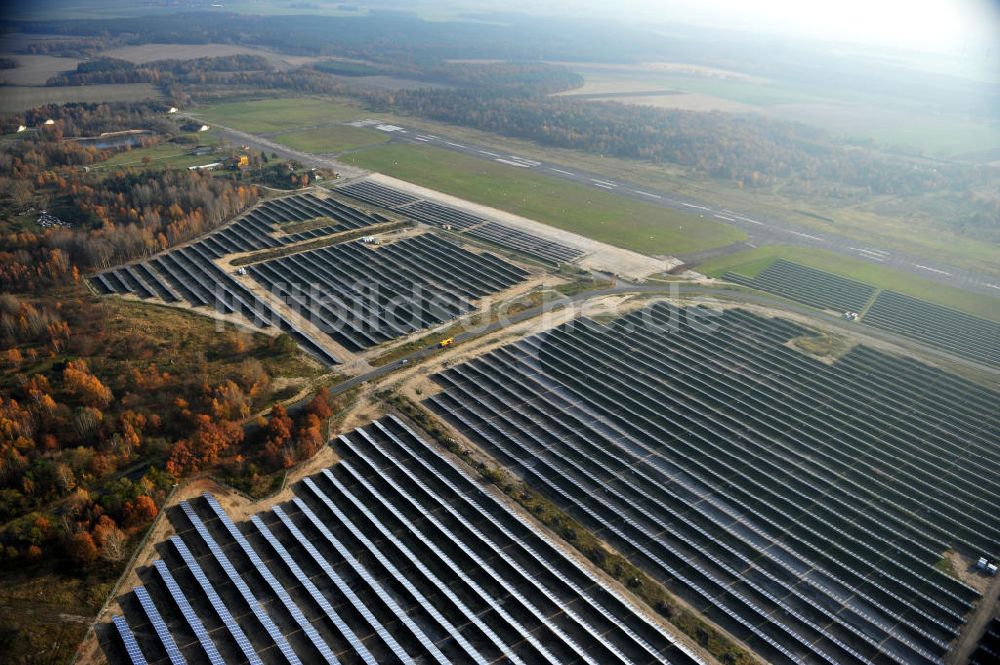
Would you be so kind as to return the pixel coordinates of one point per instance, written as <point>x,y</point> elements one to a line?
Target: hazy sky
<point>950,25</point>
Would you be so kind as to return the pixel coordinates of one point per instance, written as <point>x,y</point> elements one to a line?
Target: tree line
<point>159,72</point>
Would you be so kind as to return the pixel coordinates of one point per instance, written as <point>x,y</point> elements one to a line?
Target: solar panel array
<point>803,506</point>
<point>949,329</point>
<point>817,288</point>
<point>507,236</point>
<point>392,555</point>
<point>190,275</point>
<point>132,649</point>
<point>362,296</point>
<point>988,650</point>
<point>440,215</point>
<point>436,214</point>
<point>376,194</point>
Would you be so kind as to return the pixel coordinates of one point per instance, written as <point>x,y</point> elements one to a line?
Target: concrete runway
<point>760,230</point>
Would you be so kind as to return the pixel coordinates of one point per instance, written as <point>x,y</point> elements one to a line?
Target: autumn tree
<point>139,512</point>
<point>278,437</point>
<point>78,381</point>
<point>110,540</point>
<point>81,548</point>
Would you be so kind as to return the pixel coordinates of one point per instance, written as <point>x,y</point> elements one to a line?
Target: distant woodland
<point>514,99</point>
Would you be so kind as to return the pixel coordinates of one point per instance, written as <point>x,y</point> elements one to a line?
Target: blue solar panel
<point>437,582</point>
<point>419,459</point>
<point>241,586</point>
<point>220,608</point>
<point>166,639</point>
<point>342,586</point>
<point>131,646</point>
<point>407,584</point>
<point>314,592</point>
<point>428,541</point>
<point>279,591</point>
<point>214,657</point>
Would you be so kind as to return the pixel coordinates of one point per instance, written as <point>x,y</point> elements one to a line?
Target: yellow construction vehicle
<point>446,342</point>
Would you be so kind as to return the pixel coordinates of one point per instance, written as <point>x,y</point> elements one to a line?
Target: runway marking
<point>805,235</point>
<point>877,252</point>
<point>751,221</point>
<point>487,152</point>
<point>691,205</point>
<point>526,161</point>
<point>653,196</point>
<point>457,145</point>
<point>603,183</point>
<point>510,163</point>
<point>603,186</point>
<point>870,254</point>
<point>551,168</point>
<point>728,219</point>
<point>421,138</point>
<point>940,272</point>
<point>992,286</point>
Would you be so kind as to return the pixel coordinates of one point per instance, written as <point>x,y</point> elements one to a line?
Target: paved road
<point>677,289</point>
<point>761,230</point>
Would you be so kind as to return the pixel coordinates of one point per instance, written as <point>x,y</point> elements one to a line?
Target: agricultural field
<point>393,554</point>
<point>605,217</point>
<point>807,519</point>
<point>856,117</point>
<point>331,139</point>
<point>34,70</point>
<point>749,263</point>
<point>143,53</point>
<point>22,98</point>
<point>272,115</point>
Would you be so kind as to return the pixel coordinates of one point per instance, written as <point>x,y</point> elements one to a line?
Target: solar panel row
<point>362,297</point>
<point>404,560</point>
<point>190,274</point>
<point>441,215</point>
<point>645,441</point>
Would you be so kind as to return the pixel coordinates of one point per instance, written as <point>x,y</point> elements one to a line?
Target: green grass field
<point>332,139</point>
<point>602,216</point>
<point>750,262</point>
<point>162,155</point>
<point>272,115</point>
